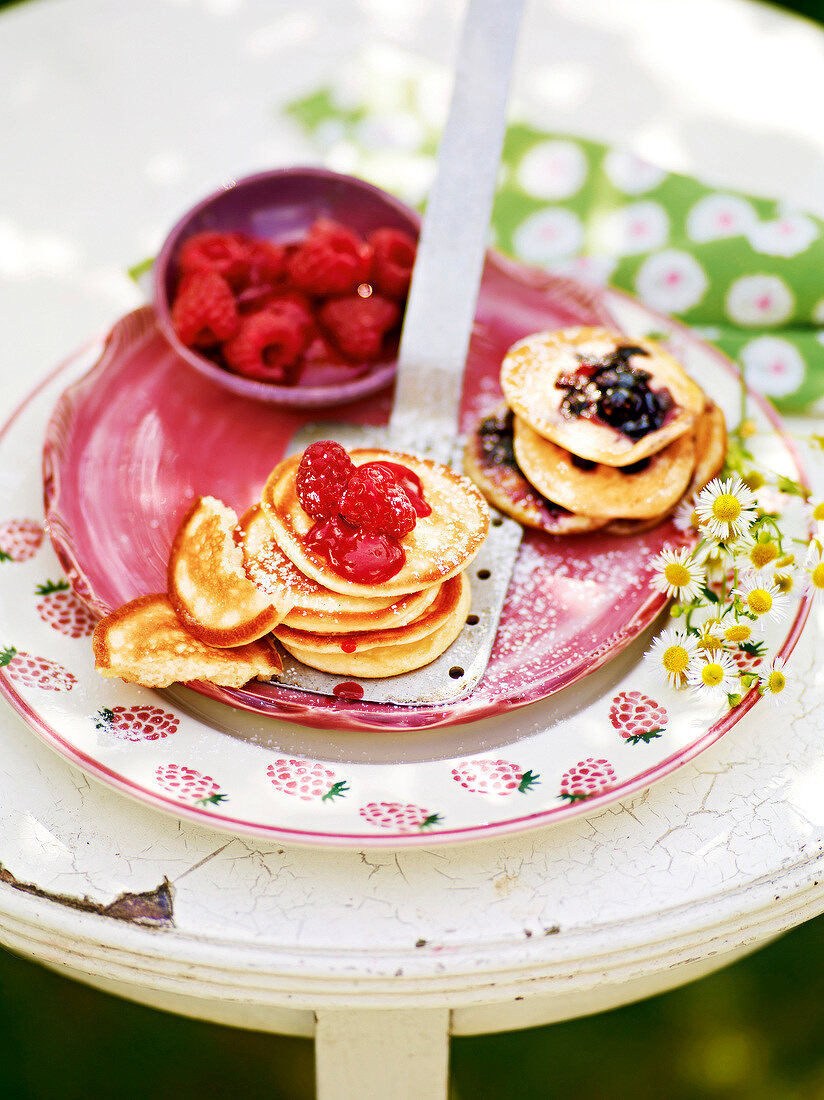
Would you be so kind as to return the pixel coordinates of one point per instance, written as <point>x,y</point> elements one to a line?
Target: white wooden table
<point>111,123</point>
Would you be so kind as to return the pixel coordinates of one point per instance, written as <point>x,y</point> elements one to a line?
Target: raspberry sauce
<point>367,557</point>
<point>409,482</point>
<point>348,690</point>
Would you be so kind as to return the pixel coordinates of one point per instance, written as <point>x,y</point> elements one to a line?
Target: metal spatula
<point>434,344</point>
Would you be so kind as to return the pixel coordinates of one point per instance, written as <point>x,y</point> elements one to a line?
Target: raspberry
<point>374,501</point>
<point>330,260</point>
<point>267,344</point>
<point>393,254</point>
<point>204,312</point>
<point>323,473</point>
<point>265,263</point>
<point>358,325</point>
<point>223,253</point>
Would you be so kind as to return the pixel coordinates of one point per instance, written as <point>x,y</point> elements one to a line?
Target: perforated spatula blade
<point>434,344</point>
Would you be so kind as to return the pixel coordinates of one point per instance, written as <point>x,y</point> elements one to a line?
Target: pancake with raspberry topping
<point>438,546</point>
<point>380,653</point>
<point>314,607</point>
<point>489,460</point>
<point>600,395</point>
<point>646,489</point>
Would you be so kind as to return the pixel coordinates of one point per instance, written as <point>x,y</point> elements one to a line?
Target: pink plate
<point>132,443</point>
<point>232,768</point>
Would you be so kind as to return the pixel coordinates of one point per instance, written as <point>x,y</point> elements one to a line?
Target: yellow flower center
<point>818,511</point>
<point>712,674</point>
<point>675,660</point>
<point>759,601</point>
<point>738,633</point>
<point>776,681</point>
<point>677,575</point>
<point>783,582</point>
<point>726,508</point>
<point>753,480</point>
<point>763,553</point>
<point>818,575</point>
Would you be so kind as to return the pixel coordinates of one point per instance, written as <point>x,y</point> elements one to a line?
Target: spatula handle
<point>447,274</point>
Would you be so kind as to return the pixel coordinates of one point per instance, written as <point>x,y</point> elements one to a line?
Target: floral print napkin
<point>746,273</point>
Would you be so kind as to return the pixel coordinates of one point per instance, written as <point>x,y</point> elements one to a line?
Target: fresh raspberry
<point>293,304</point>
<point>374,501</point>
<point>224,253</point>
<point>358,325</point>
<point>265,263</point>
<point>266,346</point>
<point>323,473</point>
<point>331,259</point>
<point>393,254</point>
<point>204,312</point>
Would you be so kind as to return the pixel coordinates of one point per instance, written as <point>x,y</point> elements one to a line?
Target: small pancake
<point>711,450</point>
<point>619,492</point>
<point>145,643</point>
<point>439,546</point>
<point>532,367</point>
<point>207,584</point>
<point>489,460</point>
<point>315,607</point>
<point>378,654</point>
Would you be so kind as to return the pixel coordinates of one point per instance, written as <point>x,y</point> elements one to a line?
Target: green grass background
<point>754,1031</point>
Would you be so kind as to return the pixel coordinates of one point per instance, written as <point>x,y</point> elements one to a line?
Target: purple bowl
<point>280,206</point>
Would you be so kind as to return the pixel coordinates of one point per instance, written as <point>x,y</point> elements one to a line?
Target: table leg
<point>373,1054</point>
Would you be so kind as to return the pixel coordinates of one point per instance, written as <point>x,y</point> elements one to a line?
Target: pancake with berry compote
<point>312,606</point>
<point>710,454</point>
<point>599,394</point>
<point>381,653</point>
<point>373,522</point>
<point>489,460</point>
<point>647,488</point>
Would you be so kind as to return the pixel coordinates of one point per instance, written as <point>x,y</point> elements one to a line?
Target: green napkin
<point>746,273</point>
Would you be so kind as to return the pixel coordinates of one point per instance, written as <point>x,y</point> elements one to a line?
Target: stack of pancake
<point>597,432</point>
<point>233,586</point>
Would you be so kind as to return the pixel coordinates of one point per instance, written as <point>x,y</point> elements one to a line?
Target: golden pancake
<point>533,366</point>
<point>381,653</point>
<point>439,546</point>
<point>145,643</point>
<point>315,607</point>
<point>207,584</point>
<point>711,450</point>
<point>619,492</point>
<point>489,461</point>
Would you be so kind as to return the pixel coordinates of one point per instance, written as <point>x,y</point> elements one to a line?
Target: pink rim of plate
<point>466,834</point>
<point>279,205</point>
<point>513,300</point>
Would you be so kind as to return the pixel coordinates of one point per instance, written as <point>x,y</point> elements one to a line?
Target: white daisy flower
<point>685,519</point>
<point>714,676</point>
<point>671,654</point>
<point>737,632</point>
<point>774,680</point>
<point>762,598</point>
<point>814,510</point>
<point>726,508</point>
<point>678,574</point>
<point>757,553</point>
<point>814,573</point>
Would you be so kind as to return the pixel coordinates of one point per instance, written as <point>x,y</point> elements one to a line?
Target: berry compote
<point>615,392</point>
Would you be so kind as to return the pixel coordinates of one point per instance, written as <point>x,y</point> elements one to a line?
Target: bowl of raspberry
<point>289,286</point>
